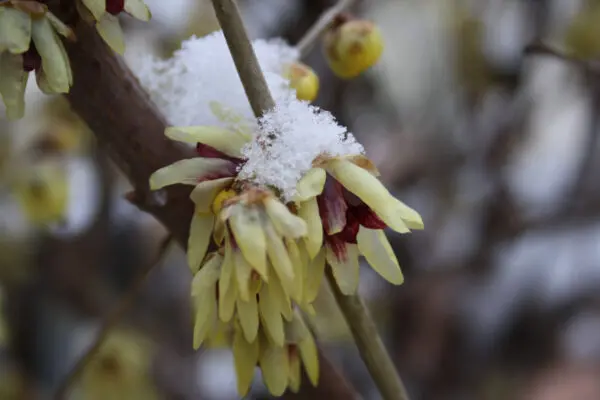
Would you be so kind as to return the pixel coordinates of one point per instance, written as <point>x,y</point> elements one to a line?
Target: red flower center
<point>31,59</point>
<point>115,7</point>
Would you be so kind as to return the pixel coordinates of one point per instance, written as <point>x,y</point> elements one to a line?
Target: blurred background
<point>496,149</point>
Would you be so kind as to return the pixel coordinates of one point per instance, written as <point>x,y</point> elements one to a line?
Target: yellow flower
<point>303,80</point>
<point>351,47</point>
<point>120,370</point>
<point>29,41</point>
<point>104,15</point>
<point>343,199</point>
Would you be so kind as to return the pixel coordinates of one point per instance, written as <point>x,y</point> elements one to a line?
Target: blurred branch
<point>314,33</point>
<point>545,49</point>
<point>370,346</point>
<point>112,320</point>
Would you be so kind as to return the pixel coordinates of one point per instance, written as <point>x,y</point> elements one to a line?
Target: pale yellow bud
<point>304,80</point>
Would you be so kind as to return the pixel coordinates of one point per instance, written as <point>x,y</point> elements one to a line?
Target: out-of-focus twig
<point>112,320</point>
<point>314,33</point>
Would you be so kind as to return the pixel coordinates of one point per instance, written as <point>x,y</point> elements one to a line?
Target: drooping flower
<point>29,41</point>
<point>104,15</point>
<point>342,198</point>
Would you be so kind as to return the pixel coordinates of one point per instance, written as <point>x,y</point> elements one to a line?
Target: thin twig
<point>314,33</point>
<point>370,346</point>
<point>112,319</point>
<point>365,334</point>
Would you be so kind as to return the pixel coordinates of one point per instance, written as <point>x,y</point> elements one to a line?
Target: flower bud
<point>352,47</point>
<point>304,80</point>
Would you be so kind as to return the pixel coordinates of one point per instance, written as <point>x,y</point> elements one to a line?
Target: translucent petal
<point>286,223</point>
<point>227,275</point>
<point>247,229</point>
<point>15,30</point>
<point>314,276</point>
<point>206,310</point>
<point>279,296</point>
<point>309,212</point>
<point>190,171</point>
<point>280,260</point>
<point>310,359</point>
<point>219,231</point>
<point>373,244</point>
<point>332,207</point>
<point>298,265</point>
<point>245,356</point>
<point>13,82</point>
<point>243,271</point>
<point>227,302</point>
<point>295,371</point>
<point>59,26</point>
<point>369,189</point>
<point>275,369</point>
<point>199,239</point>
<point>205,192</point>
<point>248,314</point>
<point>137,9</point>
<point>96,7</point>
<point>207,276</point>
<point>224,140</point>
<point>55,63</point>
<point>270,316</point>
<point>345,268</point>
<point>311,185</point>
<point>110,30</point>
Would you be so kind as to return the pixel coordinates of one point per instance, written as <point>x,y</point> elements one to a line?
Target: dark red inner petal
<point>331,202</point>
<point>367,217</point>
<point>115,7</point>
<point>206,151</point>
<point>338,246</point>
<point>31,59</point>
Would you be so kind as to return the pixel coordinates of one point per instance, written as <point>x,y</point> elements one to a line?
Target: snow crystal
<point>202,72</point>
<point>296,133</point>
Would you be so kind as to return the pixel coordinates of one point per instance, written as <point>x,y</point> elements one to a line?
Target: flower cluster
<point>279,201</point>
<point>29,41</point>
<point>104,14</point>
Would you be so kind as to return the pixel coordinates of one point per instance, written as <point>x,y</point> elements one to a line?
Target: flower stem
<point>309,39</point>
<point>363,329</point>
<point>369,343</point>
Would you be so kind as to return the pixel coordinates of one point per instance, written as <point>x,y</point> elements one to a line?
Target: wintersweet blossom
<point>29,41</point>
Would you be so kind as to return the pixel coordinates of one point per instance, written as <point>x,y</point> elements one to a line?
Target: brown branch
<point>112,320</point>
<point>316,31</point>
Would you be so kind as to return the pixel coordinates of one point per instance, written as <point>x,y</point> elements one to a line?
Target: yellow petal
<point>310,359</point>
<point>55,63</point>
<point>314,275</point>
<point>242,271</point>
<point>219,231</point>
<point>286,223</point>
<point>189,171</point>
<point>270,316</point>
<point>223,140</point>
<point>15,30</point>
<point>205,279</point>
<point>109,29</point>
<point>298,263</point>
<point>309,212</point>
<point>275,369</point>
<point>311,185</point>
<point>227,302</point>
<point>13,82</point>
<point>246,226</point>
<point>205,192</point>
<point>137,9</point>
<point>245,356</point>
<point>206,306</point>
<point>96,7</point>
<point>199,239</point>
<point>280,260</point>
<point>59,26</point>
<point>295,371</point>
<point>227,275</point>
<point>369,189</point>
<point>248,314</point>
<point>373,244</point>
<point>277,293</point>
<point>345,269</point>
